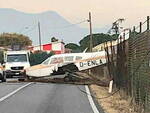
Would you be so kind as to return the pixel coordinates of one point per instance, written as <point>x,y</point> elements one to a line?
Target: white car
<point>15,63</point>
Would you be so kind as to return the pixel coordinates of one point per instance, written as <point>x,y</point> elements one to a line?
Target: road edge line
<point>94,108</point>
<point>14,92</point>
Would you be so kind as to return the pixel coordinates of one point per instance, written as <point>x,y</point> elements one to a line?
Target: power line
<point>33,28</point>
<point>25,27</point>
<point>71,25</point>
<point>63,27</point>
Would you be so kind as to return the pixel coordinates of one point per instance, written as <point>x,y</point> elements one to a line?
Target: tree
<point>97,39</point>
<point>8,39</point>
<point>38,57</point>
<point>73,47</point>
<point>53,39</point>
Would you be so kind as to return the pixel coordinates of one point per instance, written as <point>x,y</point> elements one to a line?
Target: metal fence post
<point>140,27</point>
<point>130,33</point>
<point>147,22</point>
<point>133,31</point>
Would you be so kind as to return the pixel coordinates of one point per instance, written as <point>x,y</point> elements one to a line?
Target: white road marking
<point>15,91</point>
<point>94,108</point>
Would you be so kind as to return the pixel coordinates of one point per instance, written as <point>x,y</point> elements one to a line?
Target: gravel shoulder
<point>112,104</point>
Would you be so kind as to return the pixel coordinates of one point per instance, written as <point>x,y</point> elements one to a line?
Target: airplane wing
<point>47,70</point>
<point>88,63</point>
<point>84,64</point>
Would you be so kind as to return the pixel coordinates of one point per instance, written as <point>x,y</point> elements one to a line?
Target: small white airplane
<point>73,62</point>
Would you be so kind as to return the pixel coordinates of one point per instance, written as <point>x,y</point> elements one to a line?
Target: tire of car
<point>67,79</point>
<point>3,80</point>
<point>4,77</point>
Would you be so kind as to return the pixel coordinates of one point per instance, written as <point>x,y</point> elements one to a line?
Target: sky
<point>104,12</point>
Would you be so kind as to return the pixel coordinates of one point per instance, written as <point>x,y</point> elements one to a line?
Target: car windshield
<point>17,58</point>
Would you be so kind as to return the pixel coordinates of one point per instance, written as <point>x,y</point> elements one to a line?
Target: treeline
<point>8,39</point>
<point>38,57</point>
<point>85,42</point>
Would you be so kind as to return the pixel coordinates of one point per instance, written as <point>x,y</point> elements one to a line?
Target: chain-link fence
<point>139,67</point>
<point>129,66</point>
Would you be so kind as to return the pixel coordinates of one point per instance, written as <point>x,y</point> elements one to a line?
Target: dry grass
<point>113,104</point>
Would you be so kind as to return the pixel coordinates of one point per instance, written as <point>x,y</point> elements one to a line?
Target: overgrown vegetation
<point>38,57</point>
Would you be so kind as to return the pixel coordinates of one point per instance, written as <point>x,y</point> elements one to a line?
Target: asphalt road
<point>44,98</point>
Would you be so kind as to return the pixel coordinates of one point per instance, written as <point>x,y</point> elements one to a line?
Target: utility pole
<point>90,24</point>
<point>39,35</point>
<point>91,40</point>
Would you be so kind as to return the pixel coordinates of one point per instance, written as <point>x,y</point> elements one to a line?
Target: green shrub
<point>38,57</point>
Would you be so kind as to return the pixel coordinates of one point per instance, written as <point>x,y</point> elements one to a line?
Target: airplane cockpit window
<point>78,57</point>
<point>68,58</point>
<point>46,62</point>
<point>56,60</point>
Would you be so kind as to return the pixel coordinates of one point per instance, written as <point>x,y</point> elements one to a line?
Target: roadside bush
<point>38,57</point>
